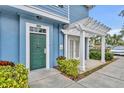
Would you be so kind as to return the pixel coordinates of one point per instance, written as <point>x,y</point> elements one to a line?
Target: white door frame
<point>28,45</point>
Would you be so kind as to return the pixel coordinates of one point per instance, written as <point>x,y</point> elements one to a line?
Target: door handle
<point>44,50</point>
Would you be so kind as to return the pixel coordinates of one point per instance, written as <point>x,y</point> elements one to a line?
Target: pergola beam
<point>91,26</point>
<point>88,30</point>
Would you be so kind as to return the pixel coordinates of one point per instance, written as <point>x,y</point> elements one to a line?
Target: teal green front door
<point>37,51</point>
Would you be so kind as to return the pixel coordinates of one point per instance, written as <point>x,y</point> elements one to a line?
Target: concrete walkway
<point>111,76</point>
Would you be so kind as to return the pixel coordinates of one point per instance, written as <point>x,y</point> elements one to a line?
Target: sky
<point>108,15</point>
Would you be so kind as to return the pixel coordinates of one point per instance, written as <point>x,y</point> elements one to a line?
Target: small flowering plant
<point>6,63</point>
<point>61,58</point>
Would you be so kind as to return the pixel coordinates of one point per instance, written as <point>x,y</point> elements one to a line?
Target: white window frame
<point>28,44</point>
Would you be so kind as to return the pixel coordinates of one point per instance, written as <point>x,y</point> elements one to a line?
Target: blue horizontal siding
<point>78,12</point>
<point>55,9</point>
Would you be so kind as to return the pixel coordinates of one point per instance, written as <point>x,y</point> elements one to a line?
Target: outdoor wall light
<point>39,17</point>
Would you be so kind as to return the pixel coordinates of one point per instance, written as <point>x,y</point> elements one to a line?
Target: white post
<point>66,45</point>
<point>82,50</point>
<point>87,56</point>
<point>103,49</point>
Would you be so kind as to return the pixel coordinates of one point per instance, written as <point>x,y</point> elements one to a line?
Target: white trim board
<point>41,12</point>
<point>74,32</point>
<point>28,45</point>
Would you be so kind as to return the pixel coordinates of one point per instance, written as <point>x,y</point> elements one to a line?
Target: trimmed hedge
<point>97,55</point>
<point>13,77</point>
<point>69,67</point>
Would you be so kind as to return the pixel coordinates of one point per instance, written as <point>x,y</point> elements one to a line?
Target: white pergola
<point>85,28</point>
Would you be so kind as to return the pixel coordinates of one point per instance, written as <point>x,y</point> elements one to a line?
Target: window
<point>71,49</point>
<point>77,49</point>
<point>37,29</point>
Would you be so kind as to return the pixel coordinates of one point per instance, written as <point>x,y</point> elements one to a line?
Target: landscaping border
<point>90,71</point>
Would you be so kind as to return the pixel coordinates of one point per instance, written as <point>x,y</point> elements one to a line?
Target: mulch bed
<point>87,73</point>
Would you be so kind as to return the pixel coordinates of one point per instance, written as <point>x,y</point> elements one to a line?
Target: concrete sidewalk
<point>111,76</point>
<point>51,78</point>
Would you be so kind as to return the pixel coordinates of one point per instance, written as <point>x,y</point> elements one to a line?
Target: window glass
<point>71,48</point>
<point>37,29</point>
<point>77,49</point>
<point>74,49</point>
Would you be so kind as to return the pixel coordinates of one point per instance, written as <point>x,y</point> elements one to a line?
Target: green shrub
<point>109,56</point>
<point>94,54</point>
<point>13,77</point>
<point>69,67</point>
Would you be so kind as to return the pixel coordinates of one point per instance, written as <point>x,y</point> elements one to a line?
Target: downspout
<point>60,27</point>
<point>18,38</point>
<point>69,13</point>
<point>58,39</point>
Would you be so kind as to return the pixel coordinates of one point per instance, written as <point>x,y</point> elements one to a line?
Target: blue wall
<point>55,9</point>
<point>54,39</point>
<point>23,20</point>
<point>13,37</point>
<point>78,12</point>
<point>13,33</point>
<point>9,37</point>
<point>56,42</point>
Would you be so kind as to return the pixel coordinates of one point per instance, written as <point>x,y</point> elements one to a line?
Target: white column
<point>103,49</point>
<point>82,50</point>
<point>66,45</point>
<point>87,56</point>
